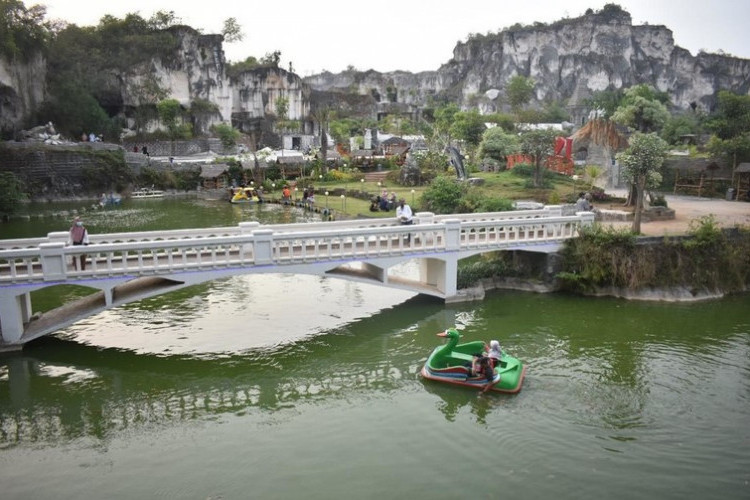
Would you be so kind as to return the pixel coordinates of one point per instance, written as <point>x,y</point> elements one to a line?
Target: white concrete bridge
<point>125,267</point>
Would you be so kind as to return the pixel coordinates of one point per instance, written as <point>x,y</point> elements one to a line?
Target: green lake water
<point>285,386</point>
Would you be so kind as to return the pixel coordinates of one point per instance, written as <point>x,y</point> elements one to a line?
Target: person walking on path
<point>79,236</point>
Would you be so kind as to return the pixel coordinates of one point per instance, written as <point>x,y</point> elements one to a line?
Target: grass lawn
<point>504,184</point>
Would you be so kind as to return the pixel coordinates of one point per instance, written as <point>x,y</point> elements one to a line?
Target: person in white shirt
<point>404,215</point>
<point>403,212</point>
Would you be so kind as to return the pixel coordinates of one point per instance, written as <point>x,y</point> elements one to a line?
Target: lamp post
<point>412,197</point>
<point>295,192</point>
<point>575,180</point>
<point>343,203</point>
<point>327,200</point>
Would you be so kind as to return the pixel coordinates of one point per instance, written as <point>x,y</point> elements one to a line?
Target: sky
<point>409,35</point>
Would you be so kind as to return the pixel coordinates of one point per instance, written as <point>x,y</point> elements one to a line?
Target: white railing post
<point>58,236</point>
<point>553,210</point>
<point>263,246</point>
<point>53,260</point>
<point>452,234</point>
<point>587,218</point>
<point>424,218</point>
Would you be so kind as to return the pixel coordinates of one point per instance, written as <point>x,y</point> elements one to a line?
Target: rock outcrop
<point>22,90</point>
<point>568,60</point>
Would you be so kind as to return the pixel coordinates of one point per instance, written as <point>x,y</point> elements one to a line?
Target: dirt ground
<point>689,208</point>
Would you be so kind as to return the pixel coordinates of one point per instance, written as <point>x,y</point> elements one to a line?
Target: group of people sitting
<point>484,364</point>
<point>383,202</point>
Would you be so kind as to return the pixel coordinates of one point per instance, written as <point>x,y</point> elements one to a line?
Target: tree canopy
<point>22,31</point>
<point>519,92</point>
<point>643,109</point>
<point>540,144</point>
<point>497,144</point>
<point>641,162</point>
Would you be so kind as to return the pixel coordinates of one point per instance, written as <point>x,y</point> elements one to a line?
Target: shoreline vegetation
<point>707,263</point>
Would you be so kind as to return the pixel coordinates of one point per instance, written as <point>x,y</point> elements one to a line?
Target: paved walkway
<point>689,208</point>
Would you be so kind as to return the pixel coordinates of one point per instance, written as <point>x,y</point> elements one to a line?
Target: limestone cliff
<point>568,60</point>
<point>22,90</point>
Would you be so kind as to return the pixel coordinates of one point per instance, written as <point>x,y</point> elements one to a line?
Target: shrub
<point>443,196</point>
<point>470,274</point>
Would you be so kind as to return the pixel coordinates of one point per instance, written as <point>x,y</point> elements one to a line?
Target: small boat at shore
<point>245,195</point>
<point>451,363</point>
<point>147,193</point>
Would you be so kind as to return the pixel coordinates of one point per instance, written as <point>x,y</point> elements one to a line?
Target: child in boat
<point>494,353</point>
<point>482,365</point>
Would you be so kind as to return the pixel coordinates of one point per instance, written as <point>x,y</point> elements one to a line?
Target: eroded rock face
<point>568,61</point>
<point>22,90</point>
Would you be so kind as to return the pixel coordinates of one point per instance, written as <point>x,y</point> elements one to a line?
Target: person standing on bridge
<point>79,236</point>
<point>404,215</point>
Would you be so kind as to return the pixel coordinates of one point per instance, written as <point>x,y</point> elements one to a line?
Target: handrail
<point>252,244</point>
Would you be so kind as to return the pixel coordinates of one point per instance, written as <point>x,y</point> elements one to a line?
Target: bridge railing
<point>262,245</point>
<point>246,227</point>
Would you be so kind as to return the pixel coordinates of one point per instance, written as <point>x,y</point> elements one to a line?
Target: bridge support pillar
<point>13,308</point>
<point>442,274</point>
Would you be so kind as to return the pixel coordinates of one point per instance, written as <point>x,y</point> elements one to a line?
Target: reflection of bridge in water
<point>60,390</point>
<point>127,267</point>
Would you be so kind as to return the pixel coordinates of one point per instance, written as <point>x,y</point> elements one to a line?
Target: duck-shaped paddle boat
<point>451,363</point>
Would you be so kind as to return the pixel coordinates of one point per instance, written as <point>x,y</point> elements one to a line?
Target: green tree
<point>640,162</point>
<point>642,109</point>
<point>539,144</point>
<point>606,100</point>
<point>146,93</point>
<point>444,118</point>
<point>163,19</point>
<point>11,193</point>
<point>498,144</point>
<point>443,196</point>
<point>271,59</point>
<point>227,134</point>
<point>679,126</point>
<point>170,111</point>
<point>23,31</point>
<point>74,110</point>
<point>232,31</point>
<point>731,128</point>
<point>468,126</point>
<point>519,92</point>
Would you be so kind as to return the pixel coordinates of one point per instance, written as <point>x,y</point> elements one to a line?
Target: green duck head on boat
<point>452,335</point>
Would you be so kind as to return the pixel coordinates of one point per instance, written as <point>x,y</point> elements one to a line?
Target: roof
<point>213,171</point>
<point>290,160</point>
<point>743,168</point>
<point>363,152</point>
<point>398,150</point>
<point>393,140</point>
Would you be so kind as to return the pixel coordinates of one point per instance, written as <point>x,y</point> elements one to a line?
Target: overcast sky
<point>410,35</point>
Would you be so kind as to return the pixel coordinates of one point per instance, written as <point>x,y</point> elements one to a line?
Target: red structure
<point>560,162</point>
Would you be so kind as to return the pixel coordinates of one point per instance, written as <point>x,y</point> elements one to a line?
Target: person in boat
<point>481,365</point>
<point>79,236</point>
<point>495,353</point>
<point>286,194</point>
